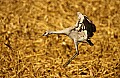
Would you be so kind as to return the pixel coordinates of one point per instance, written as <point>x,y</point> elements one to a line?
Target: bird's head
<point>46,33</point>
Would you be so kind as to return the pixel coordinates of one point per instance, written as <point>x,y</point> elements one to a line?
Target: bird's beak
<point>44,34</point>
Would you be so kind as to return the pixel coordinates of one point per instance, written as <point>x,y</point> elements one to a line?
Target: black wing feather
<point>91,28</point>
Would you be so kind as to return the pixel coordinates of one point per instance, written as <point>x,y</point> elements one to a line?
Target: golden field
<point>25,53</point>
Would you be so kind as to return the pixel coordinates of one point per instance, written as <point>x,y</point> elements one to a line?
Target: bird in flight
<point>82,31</point>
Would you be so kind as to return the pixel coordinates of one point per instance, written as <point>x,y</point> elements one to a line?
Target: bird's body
<point>81,32</point>
<point>79,36</point>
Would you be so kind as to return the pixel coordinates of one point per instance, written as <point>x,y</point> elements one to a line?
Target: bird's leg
<point>64,31</point>
<point>77,53</point>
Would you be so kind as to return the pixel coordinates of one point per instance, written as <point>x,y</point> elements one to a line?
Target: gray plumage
<point>82,32</point>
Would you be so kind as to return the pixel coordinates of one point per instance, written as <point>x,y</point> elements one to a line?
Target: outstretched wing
<point>89,26</point>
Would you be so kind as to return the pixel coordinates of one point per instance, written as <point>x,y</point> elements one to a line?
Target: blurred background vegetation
<point>24,53</point>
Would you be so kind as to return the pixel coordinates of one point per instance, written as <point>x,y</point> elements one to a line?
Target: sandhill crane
<point>81,32</point>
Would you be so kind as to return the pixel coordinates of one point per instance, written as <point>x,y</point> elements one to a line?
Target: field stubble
<point>25,53</point>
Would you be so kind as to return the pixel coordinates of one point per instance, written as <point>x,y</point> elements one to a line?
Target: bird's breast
<point>79,36</point>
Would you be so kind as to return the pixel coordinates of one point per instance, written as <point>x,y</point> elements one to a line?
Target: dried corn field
<point>25,53</point>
